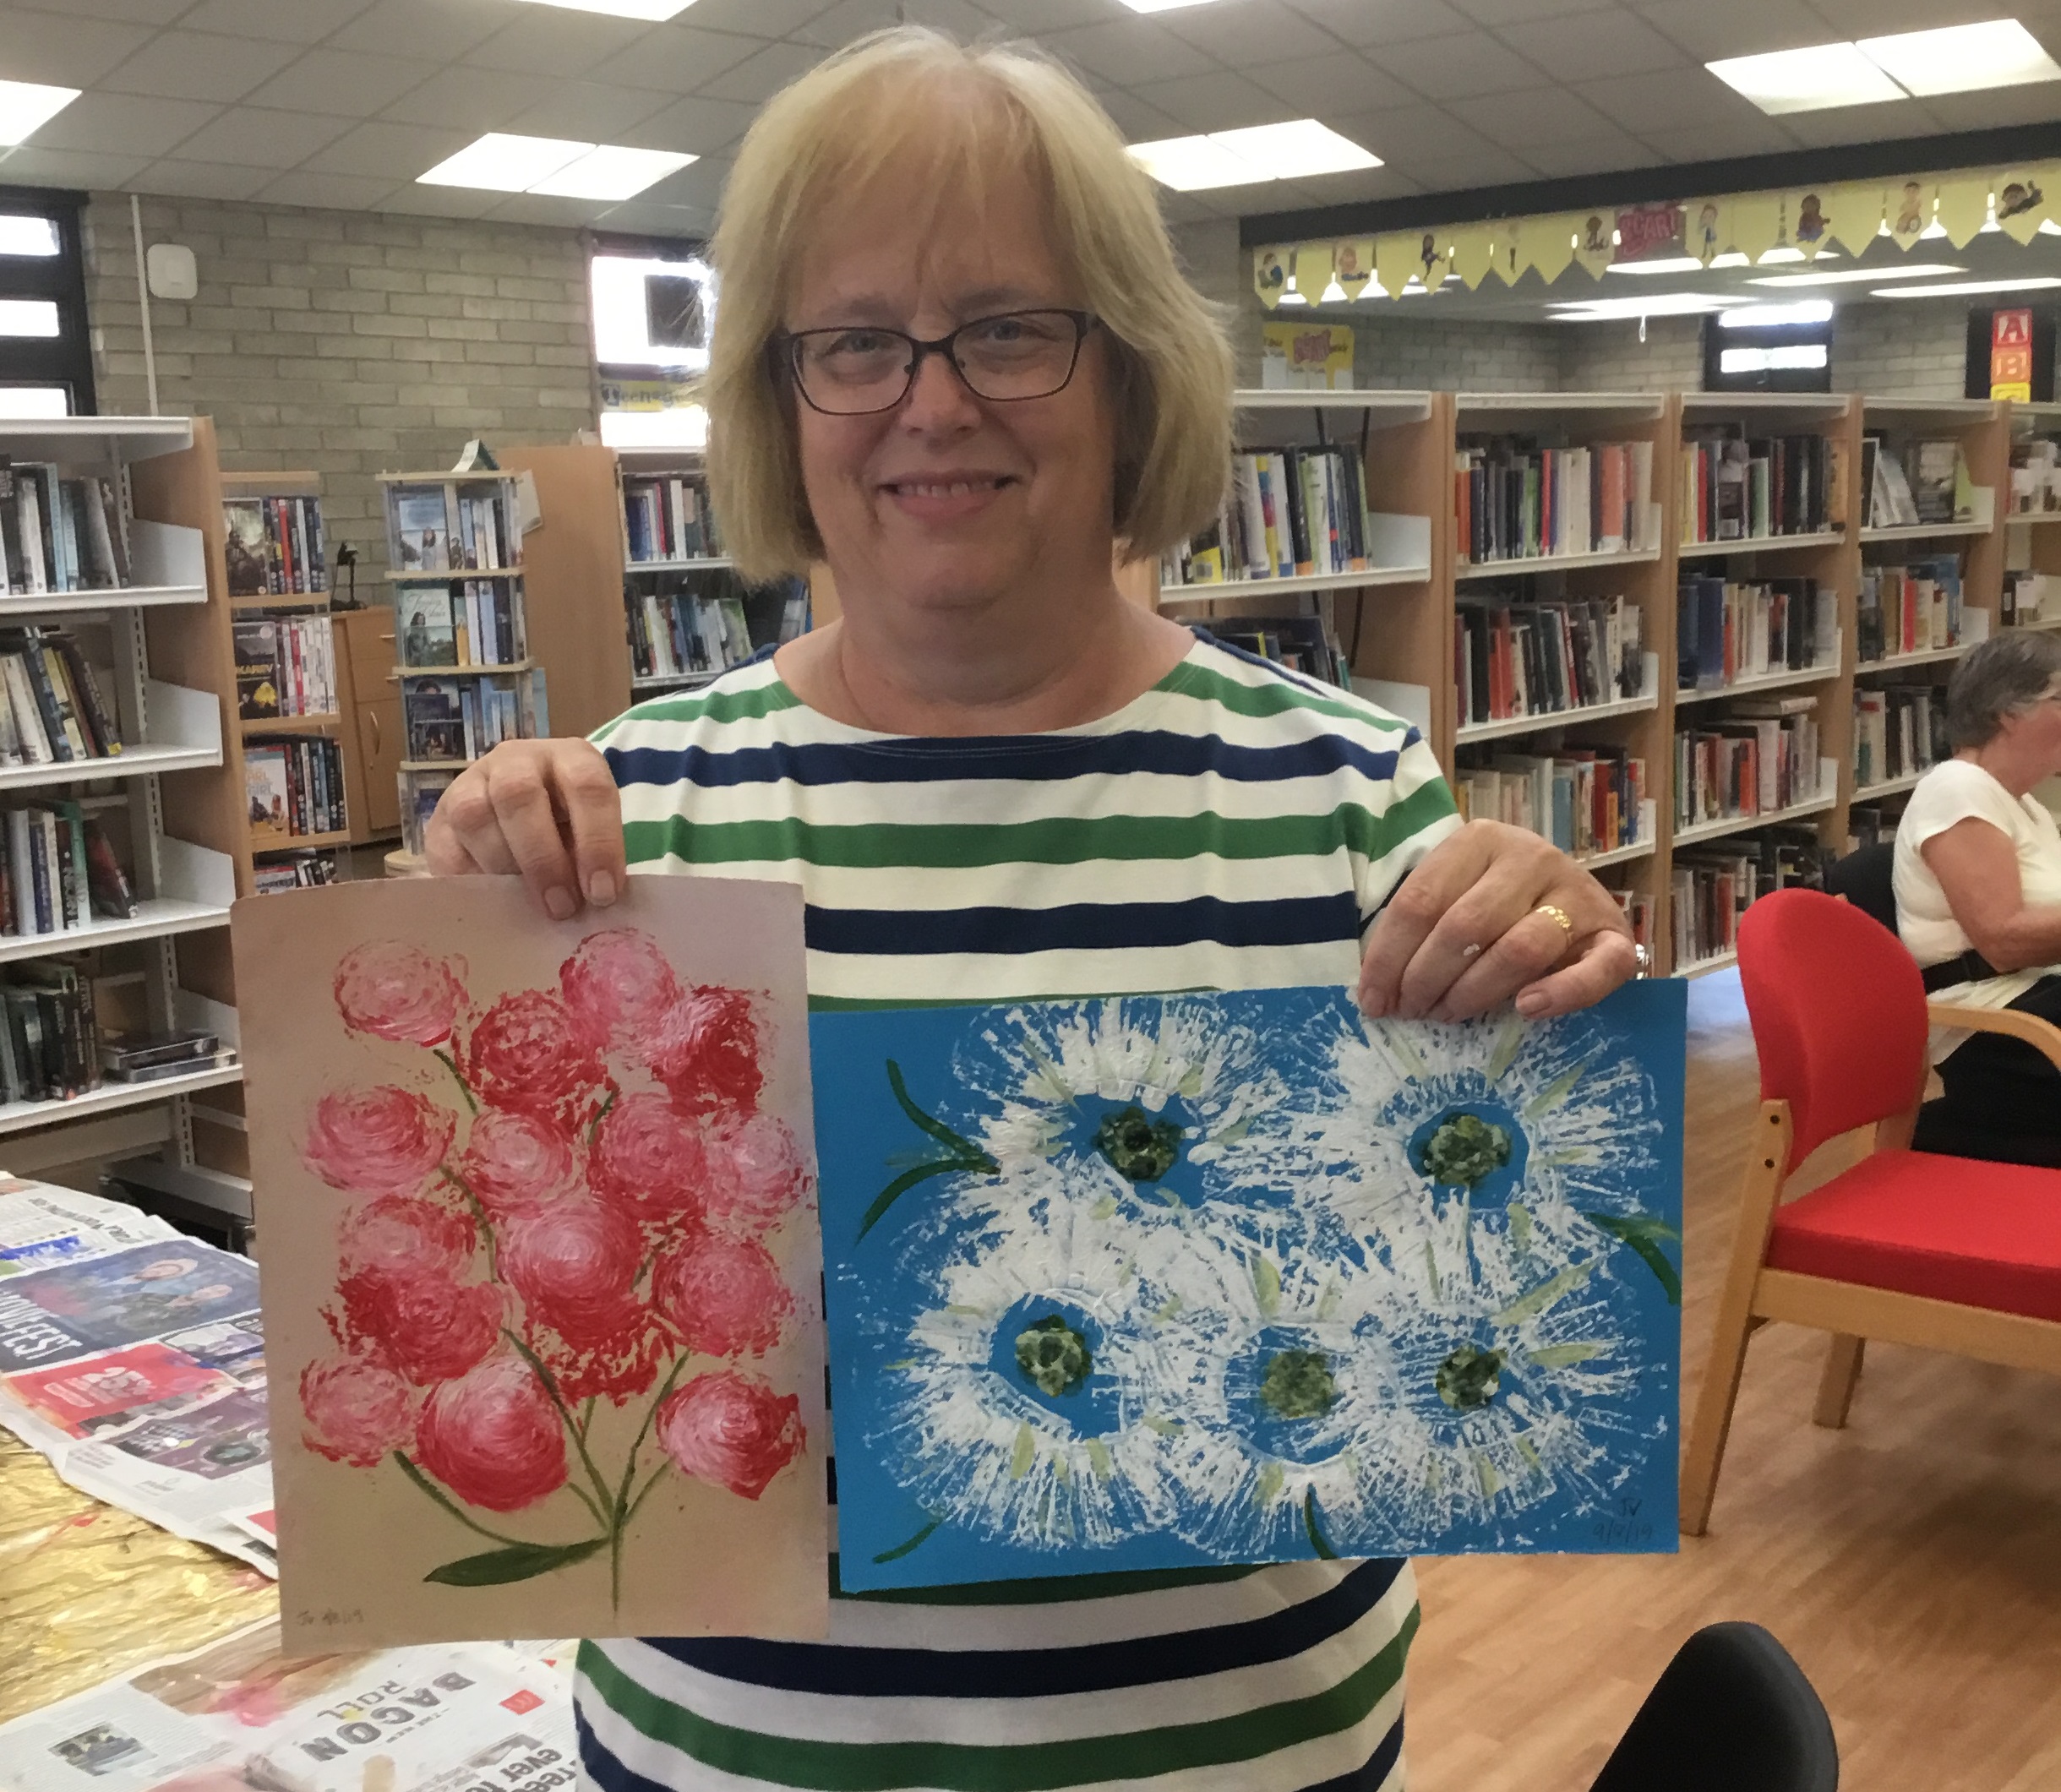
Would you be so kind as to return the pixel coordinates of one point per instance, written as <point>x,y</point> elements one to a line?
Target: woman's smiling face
<point>950,501</point>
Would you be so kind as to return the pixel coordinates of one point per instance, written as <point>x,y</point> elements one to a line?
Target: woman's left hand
<point>1473,926</point>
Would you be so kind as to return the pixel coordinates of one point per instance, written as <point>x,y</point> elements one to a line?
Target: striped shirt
<point>1234,827</point>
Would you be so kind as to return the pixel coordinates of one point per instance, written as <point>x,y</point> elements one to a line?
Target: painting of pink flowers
<point>541,1265</point>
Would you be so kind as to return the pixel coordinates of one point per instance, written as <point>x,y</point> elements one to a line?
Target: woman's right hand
<point>547,810</point>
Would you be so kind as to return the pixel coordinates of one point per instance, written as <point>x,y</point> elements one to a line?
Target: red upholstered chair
<point>1949,1253</point>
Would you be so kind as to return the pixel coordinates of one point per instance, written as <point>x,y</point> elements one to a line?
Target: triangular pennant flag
<point>1352,265</point>
<point>1710,228</point>
<point>1964,209</point>
<point>1757,225</point>
<point>1434,259</point>
<point>1852,214</point>
<point>1595,240</point>
<point>1395,260</point>
<point>1310,274</point>
<point>1809,226</point>
<point>2021,201</point>
<point>1909,209</point>
<point>1474,248</point>
<point>1270,274</point>
<point>1510,248</point>
<point>1549,242</point>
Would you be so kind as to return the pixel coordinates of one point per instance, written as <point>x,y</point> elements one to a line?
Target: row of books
<point>1909,609</point>
<point>462,718</point>
<point>50,1046</point>
<point>445,528</point>
<point>1737,487</point>
<point>1287,512</point>
<point>1907,483</point>
<point>1711,887</point>
<point>1583,799</point>
<point>683,633</point>
<point>471,621</point>
<point>421,791</point>
<point>301,870</point>
<point>295,788</point>
<point>285,665</point>
<point>274,546</point>
<point>1513,659</point>
<point>1898,729</point>
<point>1514,500</point>
<point>669,519</point>
<point>1303,644</point>
<point>57,872</point>
<point>58,534</point>
<point>53,711</point>
<point>1760,759</point>
<point>1727,630</point>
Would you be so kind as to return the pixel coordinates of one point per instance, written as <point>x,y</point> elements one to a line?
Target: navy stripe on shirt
<point>1083,926</point>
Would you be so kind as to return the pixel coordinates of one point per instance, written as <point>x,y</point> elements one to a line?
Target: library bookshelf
<point>168,804</point>
<point>1396,621</point>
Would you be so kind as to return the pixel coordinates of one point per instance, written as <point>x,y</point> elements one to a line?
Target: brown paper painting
<point>536,1216</point>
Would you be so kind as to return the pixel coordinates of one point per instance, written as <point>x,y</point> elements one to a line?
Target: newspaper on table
<point>133,1358</point>
<point>444,1718</point>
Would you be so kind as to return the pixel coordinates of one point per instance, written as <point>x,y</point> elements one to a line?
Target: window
<point>46,355</point>
<point>652,302</point>
<point>1768,348</point>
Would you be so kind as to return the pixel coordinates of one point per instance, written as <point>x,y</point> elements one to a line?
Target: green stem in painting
<point>551,1388</point>
<point>901,1549</point>
<point>451,1505</point>
<point>449,1061</point>
<point>1318,1542</point>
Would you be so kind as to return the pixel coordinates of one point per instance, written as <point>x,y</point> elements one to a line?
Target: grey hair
<point>1997,678</point>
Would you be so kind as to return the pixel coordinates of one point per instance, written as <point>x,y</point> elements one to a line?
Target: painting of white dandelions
<point>1160,1282</point>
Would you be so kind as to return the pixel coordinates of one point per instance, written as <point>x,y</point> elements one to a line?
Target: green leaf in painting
<point>522,1562</point>
<point>1642,1233</point>
<point>1317,1541</point>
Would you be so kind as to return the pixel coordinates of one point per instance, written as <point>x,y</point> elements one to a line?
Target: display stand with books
<point>113,856</point>
<point>467,683</point>
<point>289,709</point>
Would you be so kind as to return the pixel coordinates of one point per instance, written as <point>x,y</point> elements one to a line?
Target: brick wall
<point>347,343</point>
<point>1901,348</point>
<point>1609,357</point>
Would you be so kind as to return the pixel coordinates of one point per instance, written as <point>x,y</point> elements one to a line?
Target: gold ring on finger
<point>1558,915</point>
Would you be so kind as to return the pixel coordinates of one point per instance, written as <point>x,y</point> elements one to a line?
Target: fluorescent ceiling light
<point>1806,80</point>
<point>1260,152</point>
<point>501,163</point>
<point>1158,6</point>
<point>1774,316</point>
<point>1845,276</point>
<point>611,171</point>
<point>1947,289</point>
<point>656,10</point>
<point>27,317</point>
<point>1659,265</point>
<point>20,236</point>
<point>1962,58</point>
<point>25,106</point>
<point>1771,360</point>
<point>1660,305</point>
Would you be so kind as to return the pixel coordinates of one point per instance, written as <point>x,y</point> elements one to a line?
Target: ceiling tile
<point>433,30</point>
<point>1413,137</point>
<point>588,112</point>
<point>1596,46</point>
<point>1127,51</point>
<point>1354,186</point>
<point>62,49</point>
<point>676,58</point>
<point>1339,83</point>
<point>1859,123</point>
<point>538,209</point>
<point>846,19</point>
<point>199,180</point>
<point>439,202</point>
<point>1248,32</point>
<point>1140,121</point>
<point>1701,99</point>
<point>640,215</point>
<point>345,82</point>
<point>1453,67</point>
<point>255,137</point>
<point>758,78</point>
<point>338,192</point>
<point>1221,102</point>
<point>1040,17</point>
<point>556,40</point>
<point>31,165</point>
<point>484,99</point>
<point>1878,18</point>
<point>129,12</point>
<point>1488,166</point>
<point>1395,22</point>
<point>699,185</point>
<point>1973,112</point>
<point>1524,121</point>
<point>1498,14</point>
<point>1588,155</point>
<point>757,18</point>
<point>197,65</point>
<point>697,125</point>
<point>1737,27</point>
<point>302,21</point>
<point>381,148</point>
<point>124,124</point>
<point>968,20</point>
<point>1755,136</point>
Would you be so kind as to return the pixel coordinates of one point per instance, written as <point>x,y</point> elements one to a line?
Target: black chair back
<point>1863,877</point>
<point>1731,1714</point>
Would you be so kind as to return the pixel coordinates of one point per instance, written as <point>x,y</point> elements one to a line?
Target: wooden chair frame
<point>1852,1312</point>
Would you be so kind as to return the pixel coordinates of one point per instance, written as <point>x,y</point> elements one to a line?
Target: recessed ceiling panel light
<point>1658,265</point>
<point>655,10</point>
<point>1776,317</point>
<point>25,106</point>
<point>1806,80</point>
<point>1260,152</point>
<point>611,171</point>
<point>502,163</point>
<point>1962,58</point>
<point>1847,276</point>
<point>1948,289</point>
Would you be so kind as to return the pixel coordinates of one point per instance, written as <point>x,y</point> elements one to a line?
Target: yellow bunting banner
<point>1909,207</point>
<point>1852,214</point>
<point>1352,265</point>
<point>1474,250</point>
<point>1548,243</point>
<point>1310,272</point>
<point>1510,242</point>
<point>1964,209</point>
<point>1757,225</point>
<point>2022,201</point>
<point>1270,274</point>
<point>1595,248</point>
<point>1708,233</point>
<point>1809,225</point>
<point>1395,260</point>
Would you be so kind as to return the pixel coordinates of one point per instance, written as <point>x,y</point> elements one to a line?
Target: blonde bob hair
<point>940,118</point>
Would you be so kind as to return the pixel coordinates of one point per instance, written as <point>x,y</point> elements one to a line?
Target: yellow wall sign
<point>1306,355</point>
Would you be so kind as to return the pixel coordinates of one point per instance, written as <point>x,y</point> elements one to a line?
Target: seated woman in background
<point>1978,897</point>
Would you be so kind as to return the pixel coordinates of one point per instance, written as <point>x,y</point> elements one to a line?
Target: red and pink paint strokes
<point>564,1279</point>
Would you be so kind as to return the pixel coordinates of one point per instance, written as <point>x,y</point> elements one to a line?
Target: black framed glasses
<point>858,369</point>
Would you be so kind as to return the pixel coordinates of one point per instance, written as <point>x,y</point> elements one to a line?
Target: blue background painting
<point>1147,1282</point>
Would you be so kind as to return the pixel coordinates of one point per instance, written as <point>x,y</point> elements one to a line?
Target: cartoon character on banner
<point>1811,223</point>
<point>1709,236</point>
<point>1433,263</point>
<point>1269,277</point>
<point>1911,219</point>
<point>2021,205</point>
<point>1350,268</point>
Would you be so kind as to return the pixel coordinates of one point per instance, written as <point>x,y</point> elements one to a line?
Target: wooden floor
<point>1911,1562</point>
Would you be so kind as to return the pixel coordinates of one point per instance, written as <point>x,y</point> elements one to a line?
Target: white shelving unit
<point>181,887</point>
